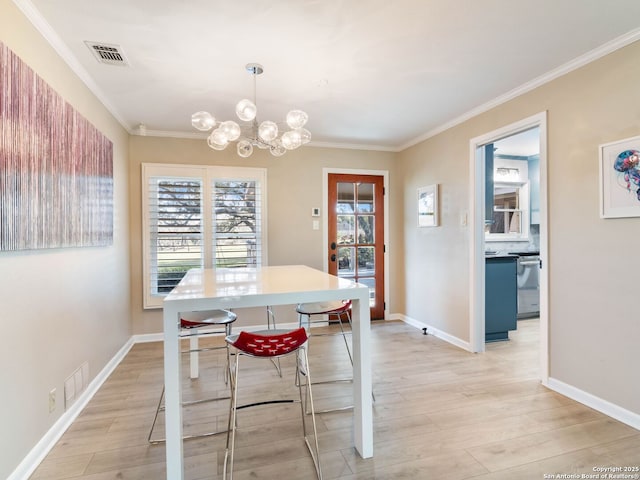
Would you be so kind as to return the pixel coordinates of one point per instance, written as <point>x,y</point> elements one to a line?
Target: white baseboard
<point>146,338</point>
<point>603,406</point>
<point>432,331</point>
<point>28,465</point>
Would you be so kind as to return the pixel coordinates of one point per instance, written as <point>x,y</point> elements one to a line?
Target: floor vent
<point>109,54</point>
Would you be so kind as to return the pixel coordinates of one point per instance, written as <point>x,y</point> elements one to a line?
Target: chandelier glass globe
<point>268,130</point>
<point>291,139</point>
<point>217,140</point>
<point>246,110</point>
<point>305,135</point>
<point>231,129</point>
<point>203,121</point>
<point>244,148</point>
<point>297,119</point>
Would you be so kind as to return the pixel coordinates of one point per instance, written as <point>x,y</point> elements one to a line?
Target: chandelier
<point>266,135</point>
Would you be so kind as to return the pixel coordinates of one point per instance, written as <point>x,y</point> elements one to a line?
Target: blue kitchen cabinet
<point>501,297</point>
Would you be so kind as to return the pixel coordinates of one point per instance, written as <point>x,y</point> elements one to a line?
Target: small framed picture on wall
<point>428,206</point>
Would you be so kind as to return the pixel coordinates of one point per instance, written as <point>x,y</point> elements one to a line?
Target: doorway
<point>356,232</point>
<point>481,153</point>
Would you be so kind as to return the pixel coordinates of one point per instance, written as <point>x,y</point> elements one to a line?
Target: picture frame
<point>428,206</point>
<point>620,178</point>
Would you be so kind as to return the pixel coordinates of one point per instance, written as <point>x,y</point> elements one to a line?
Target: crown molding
<point>353,146</point>
<point>591,56</point>
<point>201,136</point>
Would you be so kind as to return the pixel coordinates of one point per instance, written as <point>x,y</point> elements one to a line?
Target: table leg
<point>362,385</point>
<point>173,395</point>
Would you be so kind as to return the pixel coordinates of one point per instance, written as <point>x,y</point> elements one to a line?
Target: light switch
<point>316,225</point>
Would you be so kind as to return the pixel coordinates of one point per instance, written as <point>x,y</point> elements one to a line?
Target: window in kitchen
<point>199,217</point>
<point>510,219</point>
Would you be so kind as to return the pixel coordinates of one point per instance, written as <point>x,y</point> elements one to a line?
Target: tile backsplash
<point>533,244</point>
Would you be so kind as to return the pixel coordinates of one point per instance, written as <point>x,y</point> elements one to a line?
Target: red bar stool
<point>192,324</point>
<point>270,344</point>
<point>336,309</point>
<point>332,309</point>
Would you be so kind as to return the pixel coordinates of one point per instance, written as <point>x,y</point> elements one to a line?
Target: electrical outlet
<point>52,400</point>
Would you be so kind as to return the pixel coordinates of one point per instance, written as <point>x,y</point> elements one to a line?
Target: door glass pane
<point>371,283</point>
<point>365,198</point>
<point>346,262</point>
<point>346,229</point>
<point>365,229</point>
<point>346,198</point>
<point>366,261</point>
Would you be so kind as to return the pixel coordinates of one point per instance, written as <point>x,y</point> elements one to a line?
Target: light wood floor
<point>440,413</point>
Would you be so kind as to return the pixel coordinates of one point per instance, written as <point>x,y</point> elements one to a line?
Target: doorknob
<point>333,257</point>
<point>333,245</point>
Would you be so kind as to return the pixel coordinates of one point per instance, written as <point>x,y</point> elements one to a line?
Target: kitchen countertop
<point>488,256</point>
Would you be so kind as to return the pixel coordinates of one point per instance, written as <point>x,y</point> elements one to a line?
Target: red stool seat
<point>324,308</point>
<point>205,319</point>
<point>269,343</point>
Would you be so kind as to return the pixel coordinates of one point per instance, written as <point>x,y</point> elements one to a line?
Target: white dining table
<point>225,288</point>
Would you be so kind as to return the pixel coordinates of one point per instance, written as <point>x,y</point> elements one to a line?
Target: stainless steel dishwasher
<point>528,276</point>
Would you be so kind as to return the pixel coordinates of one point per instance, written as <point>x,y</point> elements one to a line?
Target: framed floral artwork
<point>620,178</point>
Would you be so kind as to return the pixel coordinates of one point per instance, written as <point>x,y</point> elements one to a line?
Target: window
<point>510,219</point>
<point>199,217</point>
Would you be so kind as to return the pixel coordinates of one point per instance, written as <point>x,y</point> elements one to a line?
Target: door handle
<point>333,257</point>
<point>333,245</point>
<point>532,262</point>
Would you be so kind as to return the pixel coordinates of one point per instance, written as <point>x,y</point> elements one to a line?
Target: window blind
<point>237,223</point>
<point>176,241</point>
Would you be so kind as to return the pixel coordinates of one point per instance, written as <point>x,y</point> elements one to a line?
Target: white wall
<point>58,308</point>
<point>593,264</point>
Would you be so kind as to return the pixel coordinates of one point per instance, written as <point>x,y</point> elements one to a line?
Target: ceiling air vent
<point>109,54</point>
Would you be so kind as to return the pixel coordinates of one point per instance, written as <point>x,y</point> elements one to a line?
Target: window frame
<point>525,221</point>
<point>207,175</point>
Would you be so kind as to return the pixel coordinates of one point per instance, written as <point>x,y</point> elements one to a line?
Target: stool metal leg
<point>346,344</point>
<point>301,355</point>
<point>231,430</point>
<point>194,336</point>
<point>271,320</point>
<point>194,370</point>
<point>344,336</point>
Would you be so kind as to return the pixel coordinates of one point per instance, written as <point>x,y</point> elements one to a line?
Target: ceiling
<point>377,74</point>
<point>526,144</point>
